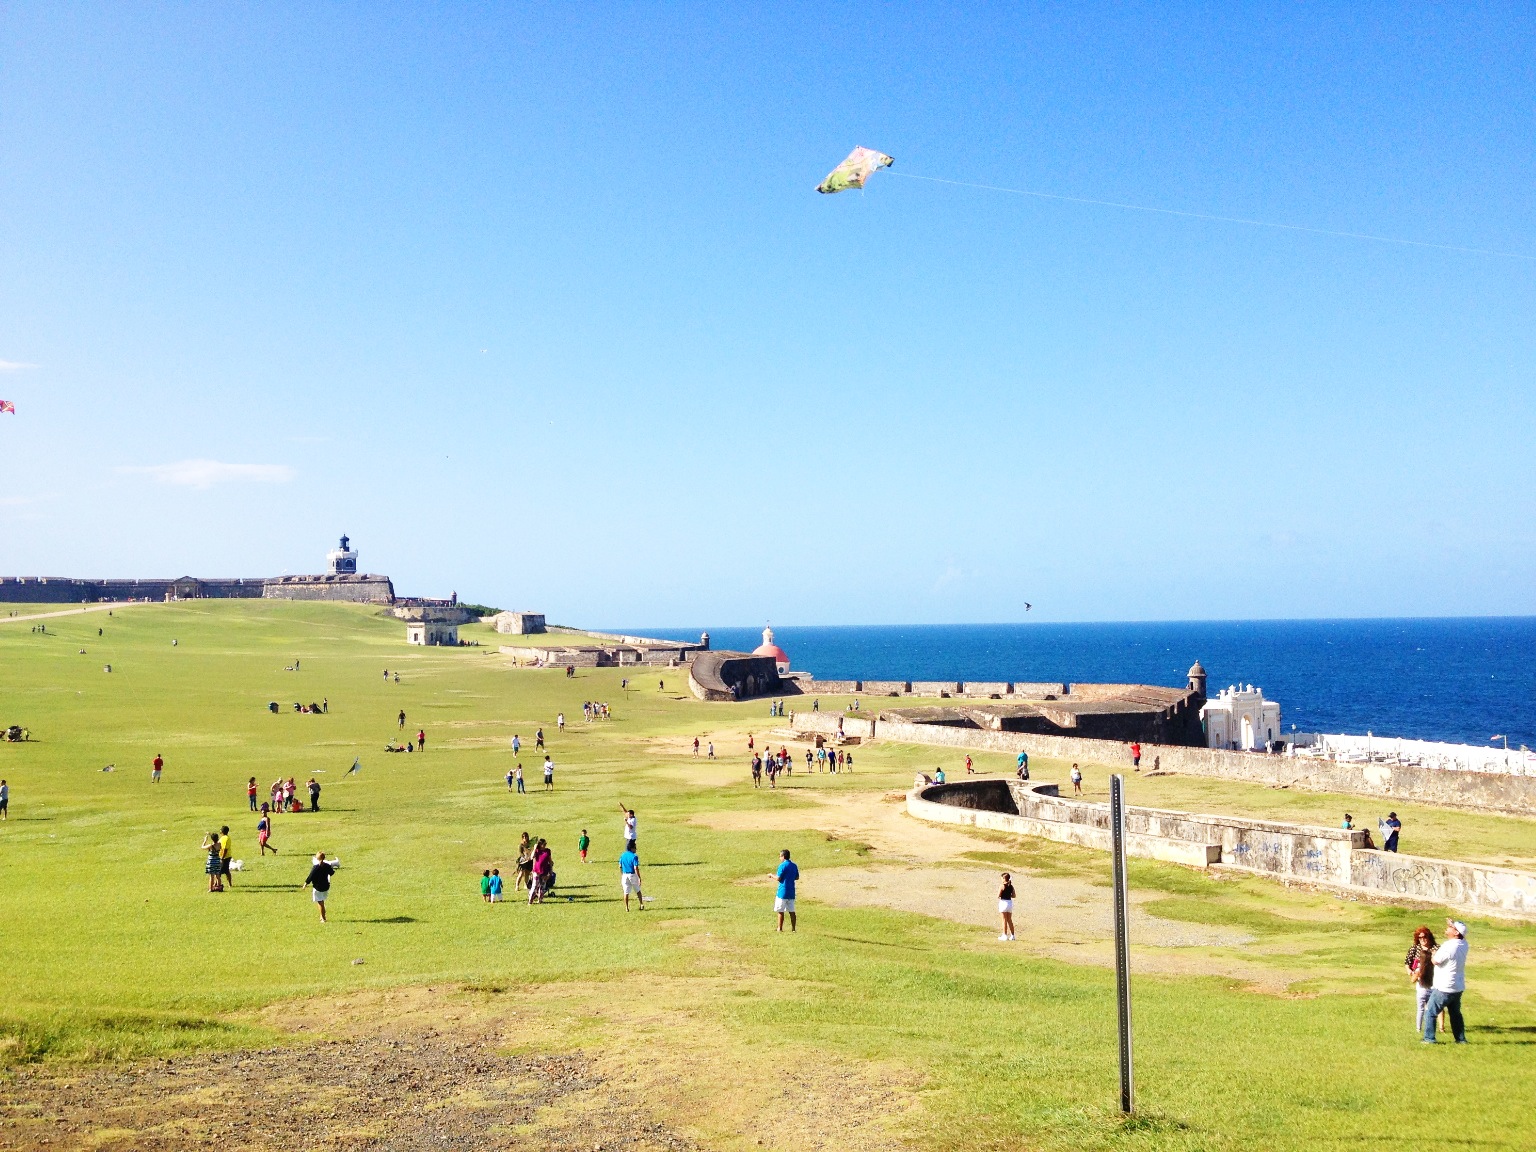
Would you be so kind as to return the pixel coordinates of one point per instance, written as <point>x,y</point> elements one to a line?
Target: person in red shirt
<point>155,765</point>
<point>969,771</point>
<point>1136,755</point>
<point>250,793</point>
<point>421,740</point>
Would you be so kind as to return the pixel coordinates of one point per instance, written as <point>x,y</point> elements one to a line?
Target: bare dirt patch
<point>556,1068</point>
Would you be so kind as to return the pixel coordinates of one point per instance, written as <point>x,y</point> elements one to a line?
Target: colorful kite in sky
<point>7,406</point>
<point>852,172</point>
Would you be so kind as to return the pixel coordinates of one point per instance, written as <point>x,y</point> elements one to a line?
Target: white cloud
<point>207,473</point>
<point>14,365</point>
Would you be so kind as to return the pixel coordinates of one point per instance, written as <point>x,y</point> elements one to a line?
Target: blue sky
<point>539,304</point>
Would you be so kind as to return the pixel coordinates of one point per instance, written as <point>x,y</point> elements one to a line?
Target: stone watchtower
<point>1197,678</point>
<point>342,560</point>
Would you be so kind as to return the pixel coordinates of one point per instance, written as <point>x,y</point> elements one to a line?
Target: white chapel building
<point>1240,718</point>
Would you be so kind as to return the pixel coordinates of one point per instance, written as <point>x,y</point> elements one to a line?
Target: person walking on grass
<point>583,842</point>
<point>524,863</point>
<point>5,800</point>
<point>549,773</point>
<point>319,879</point>
<point>784,902</point>
<point>264,832</point>
<point>421,740</point>
<point>629,876</point>
<point>226,844</point>
<point>543,868</point>
<point>631,825</point>
<point>1077,781</point>
<point>214,864</point>
<point>711,750</point>
<point>511,776</point>
<point>518,772</point>
<point>314,794</point>
<point>154,769</point>
<point>538,740</point>
<point>401,720</point>
<point>560,721</point>
<point>517,745</point>
<point>1450,981</point>
<point>1005,906</point>
<point>495,885</point>
<point>250,792</point>
<point>695,745</point>
<point>485,885</point>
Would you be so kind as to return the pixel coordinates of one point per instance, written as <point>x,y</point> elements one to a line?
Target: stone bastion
<point>1330,857</point>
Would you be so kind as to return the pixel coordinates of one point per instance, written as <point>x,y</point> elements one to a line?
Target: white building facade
<point>1240,718</point>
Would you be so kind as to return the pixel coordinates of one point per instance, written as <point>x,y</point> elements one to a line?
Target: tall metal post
<point>1122,936</point>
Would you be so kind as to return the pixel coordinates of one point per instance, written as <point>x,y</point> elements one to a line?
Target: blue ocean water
<point>1460,679</point>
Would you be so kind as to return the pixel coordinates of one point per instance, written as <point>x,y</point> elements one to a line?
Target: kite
<point>852,172</point>
<point>7,406</point>
<point>357,765</point>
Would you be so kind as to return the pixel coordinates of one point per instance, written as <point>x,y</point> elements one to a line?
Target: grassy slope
<point>111,946</point>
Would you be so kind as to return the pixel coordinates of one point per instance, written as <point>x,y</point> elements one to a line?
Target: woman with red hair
<point>1421,969</point>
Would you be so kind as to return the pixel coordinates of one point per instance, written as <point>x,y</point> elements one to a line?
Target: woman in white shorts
<point>1005,906</point>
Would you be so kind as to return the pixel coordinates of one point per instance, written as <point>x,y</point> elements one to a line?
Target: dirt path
<point>71,611</point>
<point>924,870</point>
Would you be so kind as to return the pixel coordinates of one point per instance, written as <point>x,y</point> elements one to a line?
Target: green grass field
<point>1298,1037</point>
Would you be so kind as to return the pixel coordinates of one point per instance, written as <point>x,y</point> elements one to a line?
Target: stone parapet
<point>1484,791</point>
<point>1331,857</point>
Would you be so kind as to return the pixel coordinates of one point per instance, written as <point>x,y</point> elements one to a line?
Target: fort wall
<point>1483,791</point>
<point>1330,857</point>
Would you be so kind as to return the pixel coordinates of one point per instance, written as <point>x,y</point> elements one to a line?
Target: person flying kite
<point>852,172</point>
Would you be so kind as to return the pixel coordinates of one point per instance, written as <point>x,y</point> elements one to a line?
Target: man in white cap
<point>1450,981</point>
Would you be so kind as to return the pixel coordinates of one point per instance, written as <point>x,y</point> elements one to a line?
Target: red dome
<point>769,648</point>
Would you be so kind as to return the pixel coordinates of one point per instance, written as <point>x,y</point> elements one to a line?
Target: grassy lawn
<point>1291,1030</point>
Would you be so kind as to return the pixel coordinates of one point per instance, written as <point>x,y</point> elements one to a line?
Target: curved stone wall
<point>1327,856</point>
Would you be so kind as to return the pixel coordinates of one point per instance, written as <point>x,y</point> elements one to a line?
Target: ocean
<point>1460,680</point>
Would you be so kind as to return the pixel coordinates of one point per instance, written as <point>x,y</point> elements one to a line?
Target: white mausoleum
<point>1239,717</point>
<point>431,632</point>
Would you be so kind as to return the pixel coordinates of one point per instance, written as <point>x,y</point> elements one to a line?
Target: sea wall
<point>1484,791</point>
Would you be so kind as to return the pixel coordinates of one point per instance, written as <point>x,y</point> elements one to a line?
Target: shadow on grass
<point>679,864</point>
<point>879,943</point>
<point>389,920</point>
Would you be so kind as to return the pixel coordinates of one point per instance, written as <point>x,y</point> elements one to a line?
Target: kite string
<point>1218,219</point>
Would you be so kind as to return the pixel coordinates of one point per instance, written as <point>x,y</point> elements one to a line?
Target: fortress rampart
<point>1482,791</point>
<point>1331,857</point>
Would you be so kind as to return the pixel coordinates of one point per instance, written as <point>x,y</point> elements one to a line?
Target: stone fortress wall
<point>1483,791</point>
<point>1330,857</point>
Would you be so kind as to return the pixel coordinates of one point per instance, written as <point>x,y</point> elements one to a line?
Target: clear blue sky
<point>538,303</point>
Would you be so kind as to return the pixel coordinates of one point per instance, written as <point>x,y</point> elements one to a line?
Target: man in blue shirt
<point>787,874</point>
<point>629,875</point>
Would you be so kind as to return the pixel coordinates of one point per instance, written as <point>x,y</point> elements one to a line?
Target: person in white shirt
<point>631,825</point>
<point>1450,960</point>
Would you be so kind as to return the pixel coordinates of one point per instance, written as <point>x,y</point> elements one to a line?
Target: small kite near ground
<point>7,406</point>
<point>852,172</point>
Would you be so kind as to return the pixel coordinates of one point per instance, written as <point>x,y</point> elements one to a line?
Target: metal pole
<point>1122,936</point>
